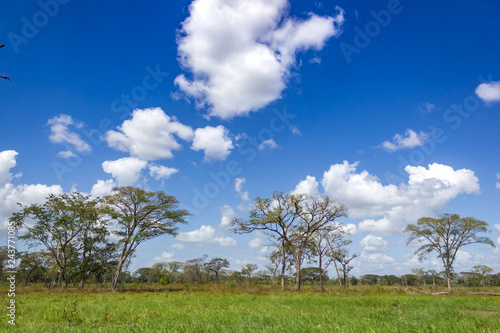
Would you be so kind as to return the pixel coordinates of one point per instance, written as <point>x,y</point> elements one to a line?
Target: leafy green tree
<point>193,269</point>
<point>420,274</point>
<point>445,236</point>
<point>313,274</point>
<point>141,215</point>
<point>433,275</point>
<point>216,266</point>
<point>67,225</point>
<point>4,256</point>
<point>30,262</point>
<point>174,268</point>
<point>483,271</point>
<point>248,270</point>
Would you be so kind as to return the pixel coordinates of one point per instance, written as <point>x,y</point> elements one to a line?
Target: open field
<point>360,310</point>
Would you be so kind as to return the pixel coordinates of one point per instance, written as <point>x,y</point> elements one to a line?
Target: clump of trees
<point>73,229</point>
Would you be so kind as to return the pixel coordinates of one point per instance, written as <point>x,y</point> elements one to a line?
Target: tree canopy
<point>445,236</point>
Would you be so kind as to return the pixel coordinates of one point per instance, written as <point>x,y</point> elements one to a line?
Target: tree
<point>276,215</point>
<point>67,225</point>
<point>325,244</point>
<point>173,268</point>
<point>344,258</point>
<point>31,262</point>
<point>312,274</point>
<point>483,271</point>
<point>433,274</point>
<point>4,256</point>
<point>248,270</point>
<point>193,269</point>
<point>141,215</point>
<point>216,266</point>
<point>295,219</point>
<point>420,274</point>
<point>445,236</point>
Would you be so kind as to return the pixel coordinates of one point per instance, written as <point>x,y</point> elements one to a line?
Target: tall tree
<point>216,267</point>
<point>315,214</point>
<point>275,215</point>
<point>344,258</point>
<point>445,236</point>
<point>60,225</point>
<point>295,219</point>
<point>141,215</point>
<point>325,244</point>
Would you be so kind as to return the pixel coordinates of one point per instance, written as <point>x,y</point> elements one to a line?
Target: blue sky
<point>391,107</point>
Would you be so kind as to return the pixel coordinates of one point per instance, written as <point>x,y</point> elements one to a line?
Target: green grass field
<point>362,310</point>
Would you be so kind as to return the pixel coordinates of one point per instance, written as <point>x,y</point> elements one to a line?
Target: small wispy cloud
<point>409,140</point>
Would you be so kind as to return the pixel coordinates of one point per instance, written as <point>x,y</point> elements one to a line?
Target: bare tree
<point>294,219</point>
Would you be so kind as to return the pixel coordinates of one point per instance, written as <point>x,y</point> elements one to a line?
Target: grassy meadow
<point>256,309</point>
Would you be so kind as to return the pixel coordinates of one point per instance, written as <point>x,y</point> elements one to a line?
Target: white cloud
<point>103,188</point>
<point>373,243</point>
<point>7,162</point>
<point>426,193</point>
<point>240,53</point>
<point>375,263</point>
<point>489,92</point>
<point>497,226</point>
<point>215,141</point>
<point>126,170</point>
<point>268,144</point>
<point>350,229</point>
<point>179,246</point>
<point>60,132</point>
<point>165,257</point>
<point>258,244</point>
<point>66,154</point>
<point>227,215</point>
<point>309,187</point>
<point>206,234</point>
<point>161,172</point>
<point>11,195</point>
<point>426,108</point>
<point>407,141</point>
<point>498,183</point>
<point>238,186</point>
<point>295,130</point>
<point>149,135</point>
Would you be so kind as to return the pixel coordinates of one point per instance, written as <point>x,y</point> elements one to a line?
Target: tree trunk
<point>297,273</point>
<point>321,274</point>
<point>448,277</point>
<point>338,274</point>
<point>117,275</point>
<point>283,266</point>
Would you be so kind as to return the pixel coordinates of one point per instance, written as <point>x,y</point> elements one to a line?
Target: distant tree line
<point>80,239</point>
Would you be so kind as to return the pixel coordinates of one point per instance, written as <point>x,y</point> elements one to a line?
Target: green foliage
<point>445,236</point>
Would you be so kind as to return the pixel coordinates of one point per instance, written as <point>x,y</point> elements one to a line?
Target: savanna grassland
<point>228,309</point>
